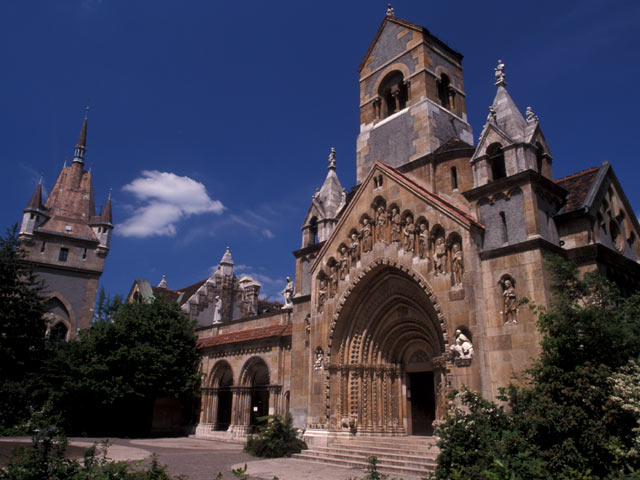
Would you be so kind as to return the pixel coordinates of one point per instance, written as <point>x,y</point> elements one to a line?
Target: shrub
<point>276,438</point>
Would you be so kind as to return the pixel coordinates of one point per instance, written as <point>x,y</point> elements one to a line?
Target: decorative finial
<point>500,75</point>
<point>332,159</point>
<point>65,162</point>
<point>531,117</point>
<point>41,175</point>
<point>109,196</point>
<point>163,282</point>
<point>86,112</point>
<point>390,12</point>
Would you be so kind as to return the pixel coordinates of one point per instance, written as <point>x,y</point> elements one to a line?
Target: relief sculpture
<point>408,234</point>
<point>457,264</point>
<point>396,226</point>
<point>381,225</point>
<point>367,239</point>
<point>439,256</point>
<point>510,310</point>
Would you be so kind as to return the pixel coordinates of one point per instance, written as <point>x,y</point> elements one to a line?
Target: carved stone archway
<point>217,397</point>
<point>388,328</point>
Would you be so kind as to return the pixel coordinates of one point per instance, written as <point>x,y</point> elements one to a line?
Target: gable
<point>391,40</point>
<point>384,186</point>
<point>490,134</point>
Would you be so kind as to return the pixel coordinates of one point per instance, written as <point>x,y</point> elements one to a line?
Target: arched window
<point>505,230</point>
<point>539,157</point>
<point>445,92</point>
<point>454,178</point>
<point>394,94</point>
<point>313,230</point>
<point>496,160</point>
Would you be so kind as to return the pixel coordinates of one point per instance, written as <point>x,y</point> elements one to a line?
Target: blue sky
<point>212,121</point>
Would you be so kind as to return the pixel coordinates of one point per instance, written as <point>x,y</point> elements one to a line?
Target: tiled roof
<point>187,292</point>
<point>246,335</point>
<point>578,186</point>
<point>461,214</point>
<point>165,292</point>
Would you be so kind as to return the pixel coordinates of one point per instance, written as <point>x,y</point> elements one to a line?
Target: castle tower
<point>412,97</point>
<point>67,243</point>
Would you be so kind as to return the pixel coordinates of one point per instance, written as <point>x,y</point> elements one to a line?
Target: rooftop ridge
<point>577,174</point>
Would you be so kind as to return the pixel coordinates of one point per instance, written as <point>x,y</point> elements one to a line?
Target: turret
<point>34,214</point>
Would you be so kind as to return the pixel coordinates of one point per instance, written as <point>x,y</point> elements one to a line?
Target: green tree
<point>106,306</point>
<point>22,331</point>
<point>108,380</point>
<point>562,419</point>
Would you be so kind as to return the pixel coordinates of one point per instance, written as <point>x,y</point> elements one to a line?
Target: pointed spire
<point>332,159</point>
<point>163,282</point>
<point>226,258</point>
<point>36,199</point>
<point>105,216</point>
<point>81,146</point>
<point>390,11</point>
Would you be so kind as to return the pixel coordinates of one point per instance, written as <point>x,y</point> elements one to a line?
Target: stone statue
<point>457,265</point>
<point>531,117</point>
<point>500,75</point>
<point>439,256</point>
<point>319,362</point>
<point>332,159</point>
<point>381,224</point>
<point>322,293</point>
<point>390,12</point>
<point>217,306</point>
<point>333,279</point>
<point>367,239</point>
<point>408,235</point>
<point>396,226</point>
<point>463,348</point>
<point>423,240</point>
<point>355,248</point>
<point>510,311</point>
<point>492,117</point>
<point>344,263</point>
<point>288,292</point>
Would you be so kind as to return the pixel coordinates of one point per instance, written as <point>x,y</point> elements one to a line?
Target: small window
<point>64,253</point>
<point>84,254</point>
<point>445,92</point>
<point>454,178</point>
<point>505,231</point>
<point>68,228</point>
<point>32,215</point>
<point>42,247</point>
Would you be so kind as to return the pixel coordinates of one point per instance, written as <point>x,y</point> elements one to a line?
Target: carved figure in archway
<point>355,249</point>
<point>322,293</point>
<point>408,235</point>
<point>396,225</point>
<point>333,278</point>
<point>439,256</point>
<point>367,239</point>
<point>423,240</point>
<point>318,364</point>
<point>344,262</point>
<point>457,265</point>
<point>381,224</point>
<point>463,348</point>
<point>510,300</point>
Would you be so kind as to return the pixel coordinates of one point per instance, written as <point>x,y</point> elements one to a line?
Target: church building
<point>409,285</point>
<point>67,244</point>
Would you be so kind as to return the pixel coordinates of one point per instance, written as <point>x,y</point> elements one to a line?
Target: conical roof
<point>36,199</point>
<point>226,258</point>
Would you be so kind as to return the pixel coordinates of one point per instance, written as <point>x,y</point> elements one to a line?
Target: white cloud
<point>164,199</point>
<point>268,233</point>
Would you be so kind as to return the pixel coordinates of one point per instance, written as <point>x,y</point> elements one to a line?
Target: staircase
<point>411,457</point>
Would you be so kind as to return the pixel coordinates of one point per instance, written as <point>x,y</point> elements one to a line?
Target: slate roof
<point>246,335</point>
<point>454,143</point>
<point>187,292</point>
<point>578,185</point>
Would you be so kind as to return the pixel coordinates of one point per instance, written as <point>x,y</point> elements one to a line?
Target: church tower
<point>412,97</point>
<point>67,243</point>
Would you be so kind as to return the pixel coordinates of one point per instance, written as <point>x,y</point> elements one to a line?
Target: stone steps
<point>397,456</point>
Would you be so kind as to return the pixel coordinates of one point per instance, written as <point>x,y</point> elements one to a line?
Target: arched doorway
<point>385,366</point>
<point>219,397</point>
<point>256,377</point>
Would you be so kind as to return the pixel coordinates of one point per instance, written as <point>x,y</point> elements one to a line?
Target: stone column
<point>213,408</point>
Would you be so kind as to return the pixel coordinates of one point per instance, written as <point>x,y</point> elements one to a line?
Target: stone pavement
<point>200,459</point>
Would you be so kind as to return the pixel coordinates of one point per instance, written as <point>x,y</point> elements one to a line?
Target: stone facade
<point>409,285</point>
<point>67,244</point>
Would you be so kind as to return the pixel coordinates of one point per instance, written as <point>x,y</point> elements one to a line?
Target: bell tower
<point>412,97</point>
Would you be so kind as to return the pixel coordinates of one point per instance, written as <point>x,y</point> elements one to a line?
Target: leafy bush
<point>276,438</point>
<point>575,413</point>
